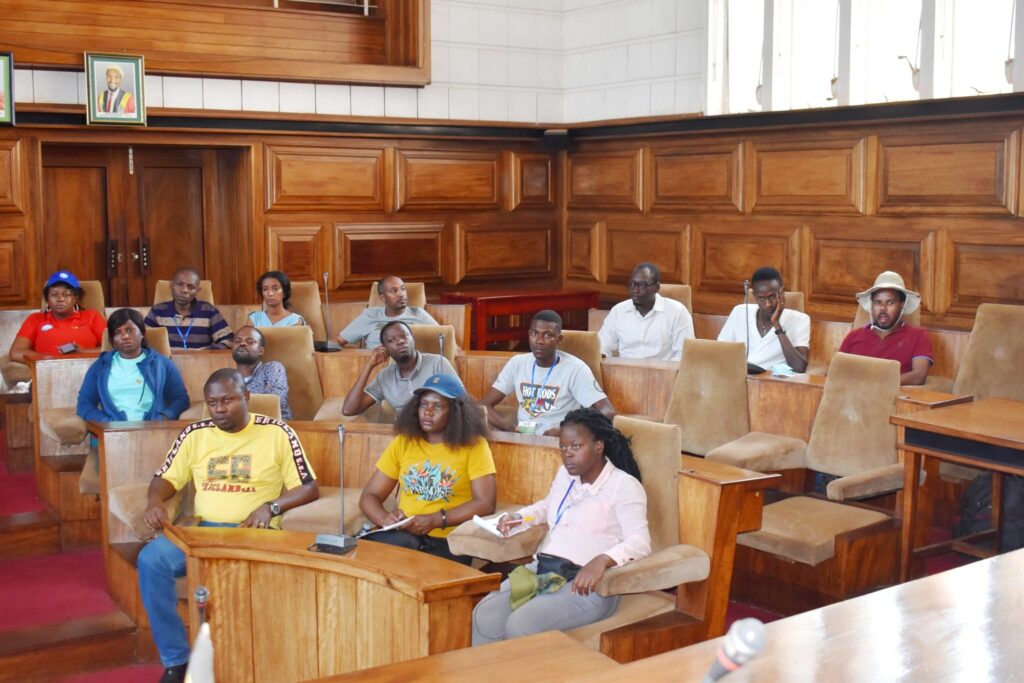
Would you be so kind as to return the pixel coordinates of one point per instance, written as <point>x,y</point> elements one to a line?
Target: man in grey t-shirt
<point>547,383</point>
<point>396,307</point>
<point>397,382</point>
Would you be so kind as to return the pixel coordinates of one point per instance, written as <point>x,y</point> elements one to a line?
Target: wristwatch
<point>780,330</point>
<point>444,518</point>
<point>275,509</point>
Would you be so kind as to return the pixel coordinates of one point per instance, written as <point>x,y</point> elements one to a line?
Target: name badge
<point>526,427</point>
<point>46,328</point>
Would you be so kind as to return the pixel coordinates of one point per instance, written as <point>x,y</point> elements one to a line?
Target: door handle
<point>142,256</point>
<point>113,257</point>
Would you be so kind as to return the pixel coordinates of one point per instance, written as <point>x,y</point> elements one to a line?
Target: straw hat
<point>890,280</point>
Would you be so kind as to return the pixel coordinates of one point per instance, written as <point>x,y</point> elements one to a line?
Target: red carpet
<point>44,590</point>
<point>138,673</point>
<point>18,493</point>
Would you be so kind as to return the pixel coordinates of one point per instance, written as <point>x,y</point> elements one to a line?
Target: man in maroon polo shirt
<point>888,335</point>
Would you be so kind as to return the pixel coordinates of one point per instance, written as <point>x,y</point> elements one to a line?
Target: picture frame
<point>115,89</point>
<point>6,88</point>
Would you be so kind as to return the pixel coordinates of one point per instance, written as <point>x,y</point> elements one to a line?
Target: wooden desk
<point>960,625</point>
<point>986,434</point>
<point>280,612</point>
<point>551,656</point>
<point>488,304</point>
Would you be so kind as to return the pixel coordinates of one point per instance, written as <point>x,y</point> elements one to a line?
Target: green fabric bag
<point>526,585</point>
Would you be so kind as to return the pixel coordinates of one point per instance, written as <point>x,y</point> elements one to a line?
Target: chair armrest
<point>469,539</point>
<point>664,569</point>
<point>866,484</point>
<point>128,503</point>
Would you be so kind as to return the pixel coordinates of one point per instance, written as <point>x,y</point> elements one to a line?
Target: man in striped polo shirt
<point>191,324</point>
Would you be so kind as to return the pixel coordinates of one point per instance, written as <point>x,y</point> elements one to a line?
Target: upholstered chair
<point>680,293</point>
<point>426,338</point>
<point>293,348</point>
<point>416,291</point>
<point>306,302</point>
<point>162,291</point>
<point>586,346</point>
<point>794,300</point>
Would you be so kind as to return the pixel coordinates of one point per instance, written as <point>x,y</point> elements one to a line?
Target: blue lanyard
<point>528,405</point>
<point>184,337</point>
<point>558,516</point>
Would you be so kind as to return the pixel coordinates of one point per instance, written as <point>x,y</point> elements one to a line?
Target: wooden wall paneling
<point>532,180</point>
<point>984,262</point>
<point>585,251</point>
<point>508,250</point>
<point>605,179</point>
<point>957,169</point>
<point>364,253</point>
<point>296,250</point>
<point>13,198</point>
<point>665,244</point>
<point>448,178</point>
<point>806,174</point>
<point>13,258</point>
<point>697,177</point>
<point>325,178</point>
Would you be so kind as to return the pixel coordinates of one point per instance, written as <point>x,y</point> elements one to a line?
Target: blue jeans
<point>159,564</point>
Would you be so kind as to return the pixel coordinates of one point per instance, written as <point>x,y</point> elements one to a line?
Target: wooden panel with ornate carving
<point>809,176</point>
<point>11,170</point>
<point>984,264</point>
<point>584,251</point>
<point>12,264</point>
<point>697,177</point>
<point>612,179</point>
<point>845,260</point>
<point>368,252</point>
<point>296,250</point>
<point>520,250</point>
<point>724,255</point>
<point>973,171</point>
<point>532,181</point>
<point>667,246</point>
<point>325,178</point>
<point>443,178</point>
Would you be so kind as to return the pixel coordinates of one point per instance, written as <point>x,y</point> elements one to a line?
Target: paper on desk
<point>389,527</point>
<point>490,524</point>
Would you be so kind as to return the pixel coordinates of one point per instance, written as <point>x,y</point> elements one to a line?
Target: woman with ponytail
<point>596,512</point>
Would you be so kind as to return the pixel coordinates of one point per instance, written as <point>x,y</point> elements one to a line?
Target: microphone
<point>743,642</point>
<point>201,596</point>
<point>337,544</point>
<point>326,345</point>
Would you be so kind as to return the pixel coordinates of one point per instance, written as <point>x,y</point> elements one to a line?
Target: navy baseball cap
<point>448,386</point>
<point>63,277</point>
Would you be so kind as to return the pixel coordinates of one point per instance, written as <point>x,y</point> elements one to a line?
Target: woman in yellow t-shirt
<point>443,464</point>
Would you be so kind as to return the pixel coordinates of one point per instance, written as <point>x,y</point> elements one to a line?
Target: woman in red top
<point>62,321</point>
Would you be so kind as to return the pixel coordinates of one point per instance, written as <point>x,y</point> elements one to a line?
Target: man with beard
<point>367,327</point>
<point>396,382</point>
<point>248,347</point>
<point>647,325</point>
<point>888,335</point>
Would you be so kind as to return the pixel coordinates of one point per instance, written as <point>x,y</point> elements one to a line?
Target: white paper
<point>399,523</point>
<point>490,524</point>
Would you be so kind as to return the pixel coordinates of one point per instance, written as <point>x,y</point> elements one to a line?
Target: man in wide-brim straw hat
<point>888,335</point>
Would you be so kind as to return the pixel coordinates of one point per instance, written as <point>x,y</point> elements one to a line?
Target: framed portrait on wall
<point>116,89</point>
<point>6,89</point>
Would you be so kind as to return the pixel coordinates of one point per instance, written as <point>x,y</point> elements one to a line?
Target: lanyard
<point>528,405</point>
<point>558,515</point>
<point>184,337</point>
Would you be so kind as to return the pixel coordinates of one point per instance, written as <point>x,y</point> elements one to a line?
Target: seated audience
<point>888,335</point>
<point>261,377</point>
<point>444,464</point>
<point>566,383</point>
<point>366,328</point>
<point>63,321</point>
<point>396,382</point>
<point>596,512</point>
<point>247,470</point>
<point>777,335</point>
<point>191,324</point>
<point>131,382</point>
<point>276,290</point>
<point>647,325</point>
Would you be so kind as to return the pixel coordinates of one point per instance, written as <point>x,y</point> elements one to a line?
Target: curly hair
<point>616,444</point>
<point>466,421</point>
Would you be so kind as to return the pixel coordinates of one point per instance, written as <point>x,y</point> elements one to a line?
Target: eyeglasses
<point>545,335</point>
<point>640,284</point>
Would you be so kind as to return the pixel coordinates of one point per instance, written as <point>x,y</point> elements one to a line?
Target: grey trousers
<point>494,620</point>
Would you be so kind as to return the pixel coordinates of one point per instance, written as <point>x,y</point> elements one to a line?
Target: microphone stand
<point>201,596</point>
<point>327,345</point>
<point>337,544</point>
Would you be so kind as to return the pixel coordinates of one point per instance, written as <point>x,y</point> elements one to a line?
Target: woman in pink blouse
<point>596,512</point>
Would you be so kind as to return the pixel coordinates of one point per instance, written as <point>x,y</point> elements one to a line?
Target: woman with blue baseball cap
<point>444,465</point>
<point>61,323</point>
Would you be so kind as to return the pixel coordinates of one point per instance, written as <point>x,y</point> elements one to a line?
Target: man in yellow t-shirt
<point>247,469</point>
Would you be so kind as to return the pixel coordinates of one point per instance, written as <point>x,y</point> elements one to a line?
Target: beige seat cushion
<point>13,372</point>
<point>128,503</point>
<point>469,539</point>
<point>761,452</point>
<point>62,425</point>
<point>194,411</point>
<point>321,516</point>
<point>378,413</point>
<point>632,608</point>
<point>804,529</point>
<point>293,348</point>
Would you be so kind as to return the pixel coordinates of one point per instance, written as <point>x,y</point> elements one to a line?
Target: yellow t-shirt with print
<point>434,476</point>
<point>234,473</point>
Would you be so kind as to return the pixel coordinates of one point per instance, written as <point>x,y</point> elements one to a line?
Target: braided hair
<point>616,444</point>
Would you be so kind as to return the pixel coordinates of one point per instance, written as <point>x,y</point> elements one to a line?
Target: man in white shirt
<point>777,334</point>
<point>647,325</point>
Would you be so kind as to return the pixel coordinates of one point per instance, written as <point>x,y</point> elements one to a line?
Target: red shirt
<point>903,344</point>
<point>85,328</point>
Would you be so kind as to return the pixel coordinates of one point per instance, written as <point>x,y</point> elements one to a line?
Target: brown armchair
<point>426,338</point>
<point>586,346</point>
<point>306,302</point>
<point>293,348</point>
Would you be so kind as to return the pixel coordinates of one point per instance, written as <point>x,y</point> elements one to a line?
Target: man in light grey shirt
<point>396,307</point>
<point>397,382</point>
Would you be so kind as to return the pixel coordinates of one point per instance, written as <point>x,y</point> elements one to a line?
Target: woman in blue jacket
<point>132,382</point>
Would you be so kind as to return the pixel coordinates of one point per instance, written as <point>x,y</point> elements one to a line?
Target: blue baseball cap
<point>448,386</point>
<point>63,277</point>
